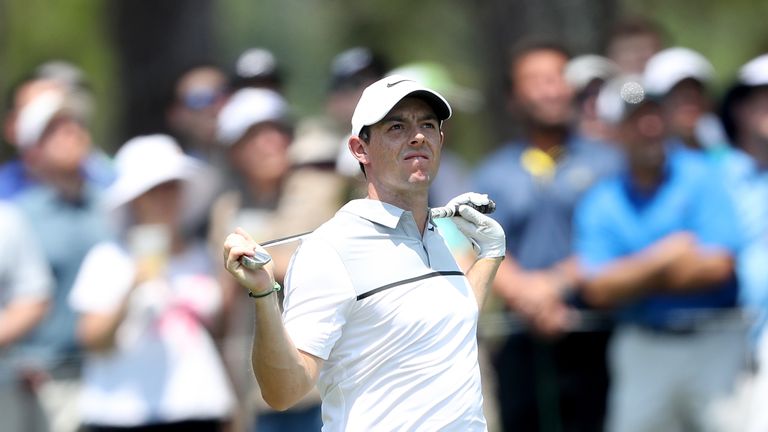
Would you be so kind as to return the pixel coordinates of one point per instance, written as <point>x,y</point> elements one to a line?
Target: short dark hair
<point>365,135</point>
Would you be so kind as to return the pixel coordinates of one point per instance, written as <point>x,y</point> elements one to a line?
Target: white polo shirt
<point>393,317</point>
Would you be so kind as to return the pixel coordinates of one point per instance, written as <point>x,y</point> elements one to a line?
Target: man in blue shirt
<point>65,213</point>
<point>657,244</point>
<point>550,372</point>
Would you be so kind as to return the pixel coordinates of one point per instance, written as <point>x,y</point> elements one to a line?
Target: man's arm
<point>673,264</point>
<point>487,238</point>
<point>285,374</point>
<point>481,275</point>
<point>19,317</point>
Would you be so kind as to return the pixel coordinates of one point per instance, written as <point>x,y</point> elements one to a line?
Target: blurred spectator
<point>587,74</point>
<point>745,113</point>
<point>146,301</point>
<point>25,288</point>
<point>257,68</point>
<point>25,171</point>
<point>199,94</point>
<point>681,78</point>
<point>351,71</point>
<point>632,41</point>
<point>65,213</point>
<point>652,248</point>
<point>549,375</point>
<point>271,196</point>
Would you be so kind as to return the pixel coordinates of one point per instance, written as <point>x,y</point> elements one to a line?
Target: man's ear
<point>358,148</point>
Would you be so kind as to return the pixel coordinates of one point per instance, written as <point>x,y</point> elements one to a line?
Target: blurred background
<point>271,126</point>
<point>132,51</point>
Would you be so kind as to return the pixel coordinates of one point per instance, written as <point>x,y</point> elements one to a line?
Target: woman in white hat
<point>147,300</point>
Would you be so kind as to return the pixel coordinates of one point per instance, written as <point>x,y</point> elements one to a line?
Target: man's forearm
<point>19,318</point>
<point>285,374</point>
<point>624,280</point>
<point>481,276</point>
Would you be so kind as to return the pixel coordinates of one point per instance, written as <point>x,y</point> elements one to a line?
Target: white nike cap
<point>380,97</point>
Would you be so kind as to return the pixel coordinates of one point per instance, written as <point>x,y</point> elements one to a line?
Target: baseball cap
<point>619,98</point>
<point>256,66</point>
<point>582,70</point>
<point>755,72</point>
<point>34,117</point>
<point>355,67</point>
<point>246,108</point>
<point>380,97</point>
<point>670,66</point>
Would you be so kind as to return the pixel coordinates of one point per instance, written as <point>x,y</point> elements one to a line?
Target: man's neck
<point>68,185</point>
<point>646,179</point>
<point>414,202</point>
<point>547,138</point>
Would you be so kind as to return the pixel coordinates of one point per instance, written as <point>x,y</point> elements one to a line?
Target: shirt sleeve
<point>318,298</point>
<point>594,244</point>
<point>103,280</point>
<point>715,220</point>
<point>29,274</point>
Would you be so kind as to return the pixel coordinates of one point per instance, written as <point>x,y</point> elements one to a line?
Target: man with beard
<point>550,373</point>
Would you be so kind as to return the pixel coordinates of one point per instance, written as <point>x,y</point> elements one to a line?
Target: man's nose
<point>418,137</point>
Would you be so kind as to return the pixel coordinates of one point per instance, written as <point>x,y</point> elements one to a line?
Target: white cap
<point>380,97</point>
<point>670,66</point>
<point>248,107</point>
<point>619,97</point>
<point>147,161</point>
<point>582,70</point>
<point>35,116</point>
<point>755,72</point>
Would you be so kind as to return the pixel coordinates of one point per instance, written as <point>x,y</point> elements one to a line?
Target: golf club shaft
<point>436,212</point>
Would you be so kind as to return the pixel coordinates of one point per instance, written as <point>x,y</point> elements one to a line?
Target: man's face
<point>540,90</point>
<point>685,103</point>
<point>159,205</point>
<point>262,153</point>
<point>64,146</point>
<point>642,134</point>
<point>200,95</point>
<point>404,148</point>
<point>755,114</point>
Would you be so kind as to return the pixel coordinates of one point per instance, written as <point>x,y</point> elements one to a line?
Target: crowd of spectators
<point>634,199</point>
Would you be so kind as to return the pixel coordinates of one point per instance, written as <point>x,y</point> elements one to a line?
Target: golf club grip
<point>448,211</point>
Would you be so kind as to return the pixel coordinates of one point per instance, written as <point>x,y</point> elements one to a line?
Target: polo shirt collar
<point>375,211</point>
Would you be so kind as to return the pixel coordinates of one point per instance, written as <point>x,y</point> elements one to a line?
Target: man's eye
<point>430,125</point>
<point>396,126</point>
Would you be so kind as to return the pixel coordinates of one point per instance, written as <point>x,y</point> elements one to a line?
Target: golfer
<point>377,313</point>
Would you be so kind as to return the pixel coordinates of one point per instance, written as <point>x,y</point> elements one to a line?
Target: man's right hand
<point>238,244</point>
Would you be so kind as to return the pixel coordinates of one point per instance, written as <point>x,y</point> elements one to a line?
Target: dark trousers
<point>553,386</point>
<point>182,426</point>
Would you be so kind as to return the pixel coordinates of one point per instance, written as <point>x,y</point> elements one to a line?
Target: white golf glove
<point>485,234</point>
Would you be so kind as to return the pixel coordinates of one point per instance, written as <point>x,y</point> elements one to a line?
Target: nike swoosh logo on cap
<point>396,83</point>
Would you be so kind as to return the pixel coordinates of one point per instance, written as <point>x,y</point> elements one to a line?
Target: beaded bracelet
<point>275,288</point>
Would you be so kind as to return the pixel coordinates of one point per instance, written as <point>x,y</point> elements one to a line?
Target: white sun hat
<point>246,108</point>
<point>147,161</point>
<point>755,72</point>
<point>380,97</point>
<point>670,66</point>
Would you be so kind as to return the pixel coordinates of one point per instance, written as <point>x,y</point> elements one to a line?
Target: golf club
<point>259,259</point>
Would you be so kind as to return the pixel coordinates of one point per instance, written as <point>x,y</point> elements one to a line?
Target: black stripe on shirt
<point>413,279</point>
